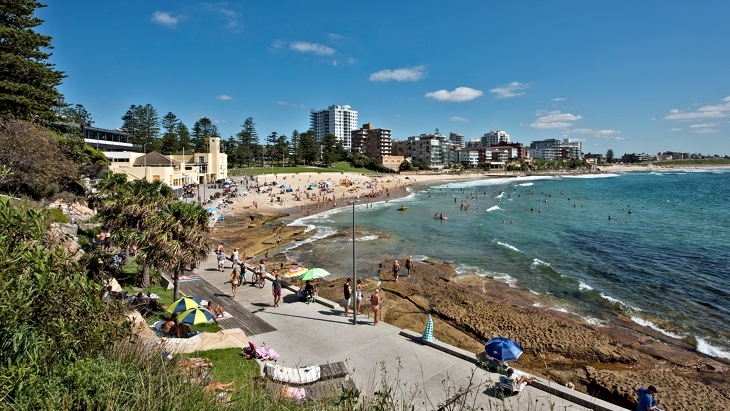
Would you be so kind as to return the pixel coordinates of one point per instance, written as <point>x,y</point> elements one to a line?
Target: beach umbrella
<point>182,304</point>
<point>195,316</point>
<point>295,271</point>
<point>196,299</point>
<point>313,273</point>
<point>503,349</point>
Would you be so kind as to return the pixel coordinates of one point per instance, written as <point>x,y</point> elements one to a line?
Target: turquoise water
<point>665,264</point>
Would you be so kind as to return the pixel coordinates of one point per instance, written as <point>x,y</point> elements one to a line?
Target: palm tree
<point>181,238</point>
<point>127,209</point>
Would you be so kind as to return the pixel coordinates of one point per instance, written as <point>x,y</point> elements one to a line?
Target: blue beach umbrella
<point>212,210</point>
<point>195,316</point>
<point>503,349</point>
<point>182,304</point>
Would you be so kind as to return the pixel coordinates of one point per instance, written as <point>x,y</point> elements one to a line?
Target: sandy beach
<point>609,362</point>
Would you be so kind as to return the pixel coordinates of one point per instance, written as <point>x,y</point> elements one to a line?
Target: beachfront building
<point>515,151</point>
<point>554,149</point>
<point>637,158</point>
<point>471,157</point>
<point>431,150</point>
<point>373,142</point>
<point>474,142</point>
<point>336,120</point>
<point>494,138</point>
<point>457,139</point>
<point>392,162</point>
<point>176,170</point>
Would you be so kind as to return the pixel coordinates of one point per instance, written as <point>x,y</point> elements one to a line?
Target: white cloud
<point>277,44</point>
<point>595,132</point>
<point>459,119</point>
<point>459,94</point>
<point>509,90</point>
<point>223,9</point>
<point>165,18</point>
<point>693,115</point>
<point>705,125</point>
<point>221,122</point>
<point>284,103</point>
<point>555,119</point>
<point>351,60</point>
<point>314,48</point>
<point>676,129</point>
<point>704,112</point>
<point>225,97</point>
<point>705,131</point>
<point>401,74</point>
<point>558,99</point>
<point>336,37</point>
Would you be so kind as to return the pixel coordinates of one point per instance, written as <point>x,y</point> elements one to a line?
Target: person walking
<point>375,305</point>
<point>358,294</point>
<point>221,261</point>
<point>396,269</point>
<point>347,291</point>
<point>235,274</point>
<point>409,265</point>
<point>276,289</point>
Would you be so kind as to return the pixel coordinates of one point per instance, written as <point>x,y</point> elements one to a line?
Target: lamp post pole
<point>354,275</point>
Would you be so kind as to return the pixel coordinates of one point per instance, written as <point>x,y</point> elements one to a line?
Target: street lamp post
<point>354,275</point>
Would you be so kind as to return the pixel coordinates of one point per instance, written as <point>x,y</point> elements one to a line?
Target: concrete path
<point>309,334</point>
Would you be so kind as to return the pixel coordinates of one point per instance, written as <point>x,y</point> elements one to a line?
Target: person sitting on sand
<point>524,379</point>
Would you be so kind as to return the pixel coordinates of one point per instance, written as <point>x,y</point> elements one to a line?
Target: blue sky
<point>633,76</point>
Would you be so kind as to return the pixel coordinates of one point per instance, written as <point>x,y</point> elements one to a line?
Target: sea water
<point>662,258</point>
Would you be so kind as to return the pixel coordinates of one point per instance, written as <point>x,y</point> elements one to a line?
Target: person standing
<point>646,399</point>
<point>396,269</point>
<point>235,274</point>
<point>375,305</point>
<point>358,294</point>
<point>234,257</point>
<point>347,291</point>
<point>221,261</point>
<point>409,265</point>
<point>276,289</point>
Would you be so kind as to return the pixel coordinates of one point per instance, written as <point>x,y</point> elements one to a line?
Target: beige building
<point>392,162</point>
<point>175,170</point>
<point>373,142</point>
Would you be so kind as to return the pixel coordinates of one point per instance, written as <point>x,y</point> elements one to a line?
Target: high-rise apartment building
<point>336,120</point>
<point>373,142</point>
<point>553,149</point>
<point>494,138</point>
<point>457,139</point>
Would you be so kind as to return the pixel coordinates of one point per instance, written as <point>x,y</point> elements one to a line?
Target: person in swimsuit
<point>375,301</point>
<point>396,269</point>
<point>409,265</point>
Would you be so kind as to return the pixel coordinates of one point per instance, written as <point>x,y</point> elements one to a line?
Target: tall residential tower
<point>336,120</point>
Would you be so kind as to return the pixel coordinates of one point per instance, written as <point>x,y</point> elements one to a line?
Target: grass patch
<point>693,162</point>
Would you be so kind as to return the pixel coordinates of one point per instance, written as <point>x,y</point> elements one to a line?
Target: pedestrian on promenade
<point>234,257</point>
<point>347,291</point>
<point>375,305</point>
<point>221,261</point>
<point>235,274</point>
<point>358,294</point>
<point>409,265</point>
<point>396,269</point>
<point>276,289</point>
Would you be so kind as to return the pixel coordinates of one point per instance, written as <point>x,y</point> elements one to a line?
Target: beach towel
<point>226,315</point>
<point>301,375</point>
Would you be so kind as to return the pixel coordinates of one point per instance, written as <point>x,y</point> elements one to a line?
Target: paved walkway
<point>307,334</point>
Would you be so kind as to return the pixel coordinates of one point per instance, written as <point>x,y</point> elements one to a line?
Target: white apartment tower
<point>495,138</point>
<point>336,120</point>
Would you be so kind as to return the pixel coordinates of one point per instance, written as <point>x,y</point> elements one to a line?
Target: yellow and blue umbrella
<point>182,304</point>
<point>313,273</point>
<point>195,316</point>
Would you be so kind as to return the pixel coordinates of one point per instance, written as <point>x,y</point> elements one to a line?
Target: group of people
<point>375,299</point>
<point>396,267</point>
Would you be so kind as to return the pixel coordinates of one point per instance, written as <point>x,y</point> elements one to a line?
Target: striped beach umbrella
<point>295,271</point>
<point>195,316</point>
<point>182,304</point>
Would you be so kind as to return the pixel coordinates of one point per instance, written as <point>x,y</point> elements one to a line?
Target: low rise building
<point>392,162</point>
<point>372,142</point>
<point>554,149</point>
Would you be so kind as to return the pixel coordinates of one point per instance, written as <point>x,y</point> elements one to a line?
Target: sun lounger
<point>332,382</point>
<point>509,386</point>
<point>301,375</point>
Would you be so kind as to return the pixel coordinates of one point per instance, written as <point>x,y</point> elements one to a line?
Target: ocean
<point>661,259</point>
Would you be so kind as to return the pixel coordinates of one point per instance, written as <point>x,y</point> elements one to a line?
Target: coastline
<point>630,353</point>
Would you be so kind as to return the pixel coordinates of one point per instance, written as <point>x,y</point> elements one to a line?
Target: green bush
<point>57,216</point>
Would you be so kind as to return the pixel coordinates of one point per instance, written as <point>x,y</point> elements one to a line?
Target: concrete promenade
<point>315,333</point>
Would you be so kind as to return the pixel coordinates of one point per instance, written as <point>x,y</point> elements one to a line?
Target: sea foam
<point>538,263</point>
<point>493,208</point>
<point>511,247</point>
<point>706,348</point>
<point>646,323</point>
<point>584,287</point>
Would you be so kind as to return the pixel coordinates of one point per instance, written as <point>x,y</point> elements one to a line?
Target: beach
<point>606,361</point>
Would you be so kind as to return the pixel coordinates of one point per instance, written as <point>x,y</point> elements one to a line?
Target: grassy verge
<point>704,162</point>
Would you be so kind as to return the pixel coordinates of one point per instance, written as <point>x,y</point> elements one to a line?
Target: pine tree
<point>28,82</point>
<point>295,148</point>
<point>249,139</point>
<point>183,137</point>
<point>202,129</point>
<point>169,143</point>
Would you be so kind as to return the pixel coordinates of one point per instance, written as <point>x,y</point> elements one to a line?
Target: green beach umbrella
<point>182,304</point>
<point>195,316</point>
<point>313,273</point>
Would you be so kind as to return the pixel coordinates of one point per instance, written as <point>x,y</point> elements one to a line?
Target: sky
<point>631,76</point>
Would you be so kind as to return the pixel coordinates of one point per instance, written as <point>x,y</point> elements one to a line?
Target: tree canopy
<point>27,80</point>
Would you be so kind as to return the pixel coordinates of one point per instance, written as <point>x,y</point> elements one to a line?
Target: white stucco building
<point>336,120</point>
